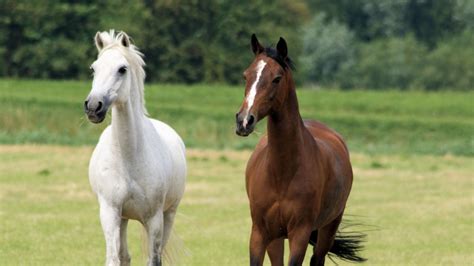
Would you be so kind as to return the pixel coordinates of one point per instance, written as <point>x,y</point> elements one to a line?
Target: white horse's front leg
<point>154,229</point>
<point>124,256</point>
<point>110,220</point>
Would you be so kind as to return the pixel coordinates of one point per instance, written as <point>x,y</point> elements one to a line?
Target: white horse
<point>138,168</point>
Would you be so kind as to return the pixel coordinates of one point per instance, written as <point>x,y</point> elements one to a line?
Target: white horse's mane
<point>112,40</point>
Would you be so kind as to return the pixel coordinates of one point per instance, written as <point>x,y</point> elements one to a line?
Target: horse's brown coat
<point>298,178</point>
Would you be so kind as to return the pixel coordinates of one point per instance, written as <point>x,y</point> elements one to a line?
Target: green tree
<point>450,65</point>
<point>208,41</point>
<point>47,39</point>
<point>368,19</point>
<point>431,21</point>
<point>464,14</point>
<point>327,48</point>
<point>428,20</point>
<point>385,64</point>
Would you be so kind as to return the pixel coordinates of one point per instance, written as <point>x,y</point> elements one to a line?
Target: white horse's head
<point>118,68</point>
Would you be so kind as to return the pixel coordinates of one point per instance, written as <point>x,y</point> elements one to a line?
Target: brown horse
<point>299,177</point>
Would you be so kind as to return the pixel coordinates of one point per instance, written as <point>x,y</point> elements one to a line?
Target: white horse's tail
<point>174,250</point>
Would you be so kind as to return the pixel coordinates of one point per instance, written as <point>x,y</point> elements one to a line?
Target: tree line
<point>376,44</point>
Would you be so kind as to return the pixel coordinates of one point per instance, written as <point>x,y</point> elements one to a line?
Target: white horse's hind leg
<point>154,228</point>
<point>124,256</point>
<point>110,220</point>
<point>168,225</point>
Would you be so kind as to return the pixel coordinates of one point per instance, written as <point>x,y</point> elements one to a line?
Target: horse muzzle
<point>96,109</point>
<point>245,124</point>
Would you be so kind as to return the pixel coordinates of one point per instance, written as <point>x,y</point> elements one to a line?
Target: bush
<point>450,65</point>
<point>327,47</point>
<point>385,63</point>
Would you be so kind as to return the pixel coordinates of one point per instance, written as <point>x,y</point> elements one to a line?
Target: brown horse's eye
<point>276,80</point>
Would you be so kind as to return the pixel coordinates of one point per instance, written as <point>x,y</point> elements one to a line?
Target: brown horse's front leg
<point>299,239</point>
<point>258,244</point>
<point>276,250</point>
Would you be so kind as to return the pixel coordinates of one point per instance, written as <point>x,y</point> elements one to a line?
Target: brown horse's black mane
<point>284,62</point>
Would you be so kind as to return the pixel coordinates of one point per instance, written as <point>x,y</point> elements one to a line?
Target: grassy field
<point>372,122</point>
<point>422,206</point>
<point>413,157</point>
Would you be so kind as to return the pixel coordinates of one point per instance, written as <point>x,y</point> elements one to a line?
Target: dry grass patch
<point>421,205</point>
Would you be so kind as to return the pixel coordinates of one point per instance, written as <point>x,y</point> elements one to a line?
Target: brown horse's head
<point>266,86</point>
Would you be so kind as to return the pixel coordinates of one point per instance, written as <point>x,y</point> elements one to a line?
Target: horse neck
<point>286,130</point>
<point>128,122</point>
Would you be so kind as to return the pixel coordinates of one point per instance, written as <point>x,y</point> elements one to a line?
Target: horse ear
<point>99,43</point>
<point>124,39</point>
<point>257,48</point>
<point>282,48</point>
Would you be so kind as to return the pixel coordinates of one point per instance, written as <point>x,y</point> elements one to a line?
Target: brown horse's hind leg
<point>325,241</point>
<point>276,251</point>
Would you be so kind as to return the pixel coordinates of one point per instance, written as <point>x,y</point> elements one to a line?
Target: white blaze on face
<point>253,90</point>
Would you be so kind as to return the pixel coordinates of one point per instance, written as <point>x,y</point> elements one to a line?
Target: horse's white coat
<point>253,89</point>
<point>138,167</point>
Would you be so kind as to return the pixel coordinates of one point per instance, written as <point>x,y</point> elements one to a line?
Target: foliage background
<point>375,44</point>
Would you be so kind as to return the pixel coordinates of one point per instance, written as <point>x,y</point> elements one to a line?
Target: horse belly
<point>176,162</point>
<point>136,208</point>
<point>145,196</point>
<point>130,211</point>
<point>175,183</point>
<point>333,202</point>
<point>279,220</point>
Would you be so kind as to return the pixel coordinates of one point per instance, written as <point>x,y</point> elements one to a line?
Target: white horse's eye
<point>122,70</point>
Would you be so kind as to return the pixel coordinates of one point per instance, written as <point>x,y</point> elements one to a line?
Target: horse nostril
<point>99,107</point>
<point>251,120</point>
<point>85,106</point>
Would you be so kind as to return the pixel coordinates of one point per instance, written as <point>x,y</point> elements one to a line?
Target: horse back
<point>321,132</point>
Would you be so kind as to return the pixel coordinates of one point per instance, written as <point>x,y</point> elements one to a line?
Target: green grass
<point>412,155</point>
<point>389,122</point>
<point>420,205</point>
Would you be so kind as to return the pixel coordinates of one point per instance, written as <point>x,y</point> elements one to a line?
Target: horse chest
<point>277,210</point>
<point>277,203</point>
<point>279,216</point>
<point>126,182</point>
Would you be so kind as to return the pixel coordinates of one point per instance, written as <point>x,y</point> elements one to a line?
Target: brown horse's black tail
<point>347,245</point>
